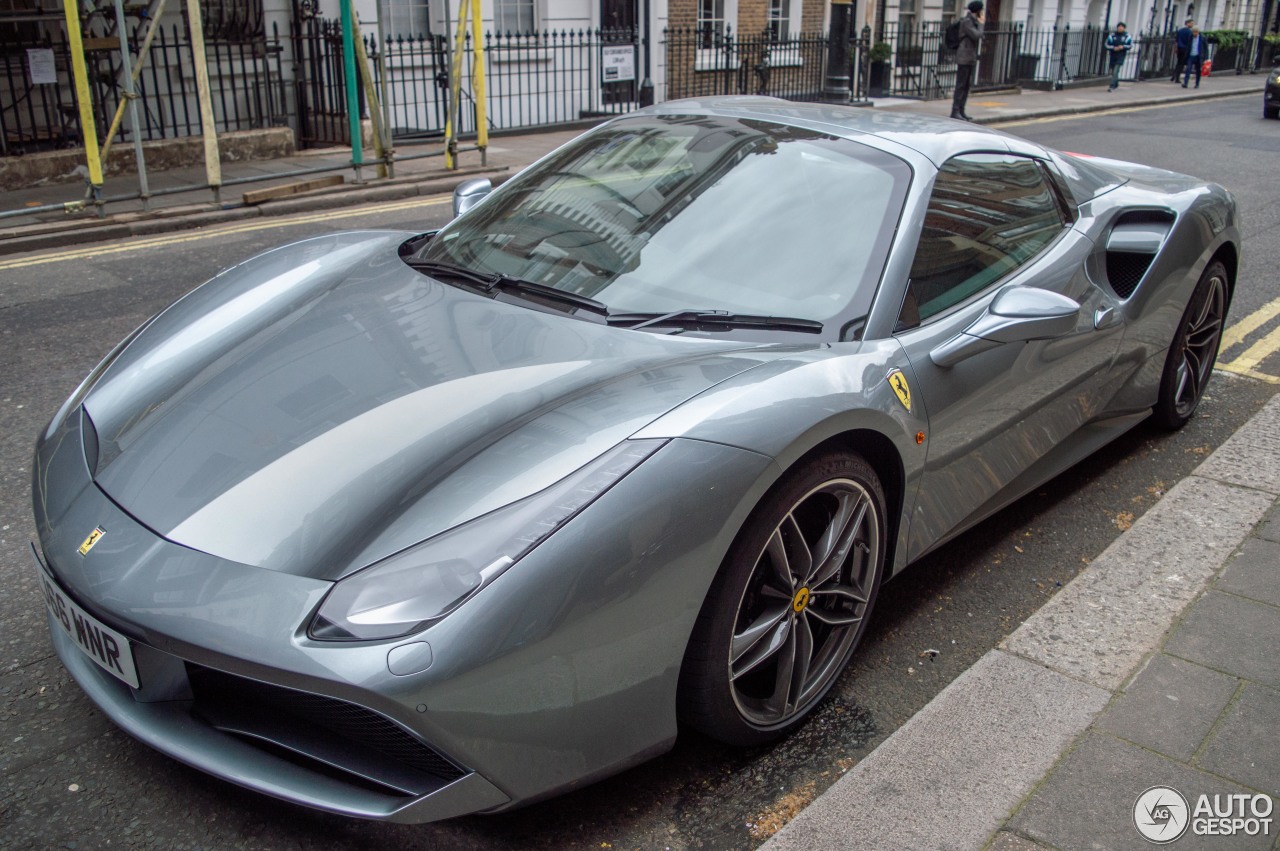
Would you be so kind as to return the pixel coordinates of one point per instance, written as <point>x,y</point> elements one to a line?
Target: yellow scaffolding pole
<point>478,85</point>
<point>208,129</point>
<point>467,8</point>
<point>83,99</point>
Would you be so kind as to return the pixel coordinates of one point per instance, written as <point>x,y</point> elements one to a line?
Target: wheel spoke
<point>780,562</point>
<point>837,619</point>
<point>801,562</point>
<point>1181,381</point>
<point>780,701</point>
<point>750,637</point>
<point>1203,335</point>
<point>804,658</point>
<point>763,650</point>
<point>837,538</point>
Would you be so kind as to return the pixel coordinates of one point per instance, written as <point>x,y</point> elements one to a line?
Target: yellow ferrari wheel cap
<point>800,600</point>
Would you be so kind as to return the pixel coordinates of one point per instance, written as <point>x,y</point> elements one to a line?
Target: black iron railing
<point>538,79</point>
<point>245,79</point>
<point>702,62</point>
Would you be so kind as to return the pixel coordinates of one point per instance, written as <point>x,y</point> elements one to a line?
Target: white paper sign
<point>40,65</point>
<point>618,64</point>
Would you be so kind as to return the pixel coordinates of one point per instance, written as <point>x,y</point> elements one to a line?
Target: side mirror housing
<point>1016,315</point>
<point>469,193</point>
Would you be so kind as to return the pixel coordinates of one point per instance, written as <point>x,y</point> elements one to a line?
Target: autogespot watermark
<point>1163,815</point>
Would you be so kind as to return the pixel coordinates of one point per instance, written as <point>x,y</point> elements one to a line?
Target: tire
<point>1271,112</point>
<point>779,625</point>
<point>1189,364</point>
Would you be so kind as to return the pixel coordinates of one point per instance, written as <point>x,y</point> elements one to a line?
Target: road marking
<point>1246,363</point>
<point>1120,110</point>
<point>1259,351</point>
<point>1236,333</point>
<point>216,231</point>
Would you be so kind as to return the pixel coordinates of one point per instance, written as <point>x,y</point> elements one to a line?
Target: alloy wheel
<point>1200,339</point>
<point>803,607</point>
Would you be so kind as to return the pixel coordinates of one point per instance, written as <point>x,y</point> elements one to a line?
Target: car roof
<point>934,137</point>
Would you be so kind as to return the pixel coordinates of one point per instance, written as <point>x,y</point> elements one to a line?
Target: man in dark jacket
<point>1118,45</point>
<point>967,58</point>
<point>1182,40</point>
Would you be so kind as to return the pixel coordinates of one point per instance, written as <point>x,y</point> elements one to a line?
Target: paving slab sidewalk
<point>1156,666</point>
<point>506,154</point>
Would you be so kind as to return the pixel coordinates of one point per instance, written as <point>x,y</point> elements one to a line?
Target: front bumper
<point>266,755</point>
<point>561,672</point>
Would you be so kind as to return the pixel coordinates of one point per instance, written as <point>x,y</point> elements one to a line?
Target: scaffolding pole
<point>208,130</point>
<point>381,142</point>
<point>466,8</point>
<point>83,100</point>
<point>353,102</point>
<point>131,97</point>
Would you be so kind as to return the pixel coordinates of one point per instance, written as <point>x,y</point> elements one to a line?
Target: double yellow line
<point>1246,363</point>
<point>250,226</point>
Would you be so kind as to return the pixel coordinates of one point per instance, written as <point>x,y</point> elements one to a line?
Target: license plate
<point>111,650</point>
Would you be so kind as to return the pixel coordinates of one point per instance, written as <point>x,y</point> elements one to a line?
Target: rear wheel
<point>1194,349</point>
<point>789,605</point>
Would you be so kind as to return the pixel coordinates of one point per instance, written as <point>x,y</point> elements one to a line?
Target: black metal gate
<point>319,79</point>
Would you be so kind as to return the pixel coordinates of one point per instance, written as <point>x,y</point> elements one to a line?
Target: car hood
<point>323,406</point>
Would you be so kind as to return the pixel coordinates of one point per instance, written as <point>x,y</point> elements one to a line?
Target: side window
<point>988,215</point>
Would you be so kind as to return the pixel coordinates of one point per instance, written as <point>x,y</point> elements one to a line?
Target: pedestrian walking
<point>1196,53</point>
<point>967,57</point>
<point>1182,41</point>
<point>1118,45</point>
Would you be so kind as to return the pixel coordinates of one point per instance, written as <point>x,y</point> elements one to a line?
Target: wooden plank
<point>101,44</point>
<point>257,196</point>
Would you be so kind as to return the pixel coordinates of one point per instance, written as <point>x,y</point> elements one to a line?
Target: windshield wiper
<point>483,280</point>
<point>488,284</point>
<point>533,288</point>
<point>722,318</point>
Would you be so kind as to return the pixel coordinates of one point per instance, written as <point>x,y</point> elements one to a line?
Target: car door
<point>997,240</point>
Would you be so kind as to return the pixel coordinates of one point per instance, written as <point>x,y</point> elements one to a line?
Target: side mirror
<point>1016,315</point>
<point>469,193</point>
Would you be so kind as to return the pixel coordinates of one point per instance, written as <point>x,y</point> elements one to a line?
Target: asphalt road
<point>68,778</point>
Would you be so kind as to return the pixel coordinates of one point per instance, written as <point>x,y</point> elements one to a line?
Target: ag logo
<point>1161,814</point>
<point>92,540</point>
<point>901,389</point>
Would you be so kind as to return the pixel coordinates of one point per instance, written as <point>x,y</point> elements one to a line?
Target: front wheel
<point>1271,112</point>
<point>1194,349</point>
<point>789,605</point>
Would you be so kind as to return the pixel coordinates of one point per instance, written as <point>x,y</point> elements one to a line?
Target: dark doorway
<point>619,26</point>
<point>619,14</point>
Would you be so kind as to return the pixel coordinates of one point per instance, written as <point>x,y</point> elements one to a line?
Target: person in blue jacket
<point>1197,52</point>
<point>1182,40</point>
<point>1118,45</point>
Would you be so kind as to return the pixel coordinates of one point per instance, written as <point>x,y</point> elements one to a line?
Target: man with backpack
<point>1118,45</point>
<point>966,34</point>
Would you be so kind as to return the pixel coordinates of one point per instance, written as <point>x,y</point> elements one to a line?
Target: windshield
<point>664,213</point>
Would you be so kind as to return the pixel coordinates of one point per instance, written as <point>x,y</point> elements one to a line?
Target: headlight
<point>402,594</point>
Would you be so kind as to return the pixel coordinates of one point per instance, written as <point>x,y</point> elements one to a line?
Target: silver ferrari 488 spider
<point>405,526</point>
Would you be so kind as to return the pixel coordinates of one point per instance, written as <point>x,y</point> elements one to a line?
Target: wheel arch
<point>883,455</point>
<point>1228,254</point>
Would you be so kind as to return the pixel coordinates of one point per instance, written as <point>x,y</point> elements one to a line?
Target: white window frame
<point>714,59</point>
<point>520,6</point>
